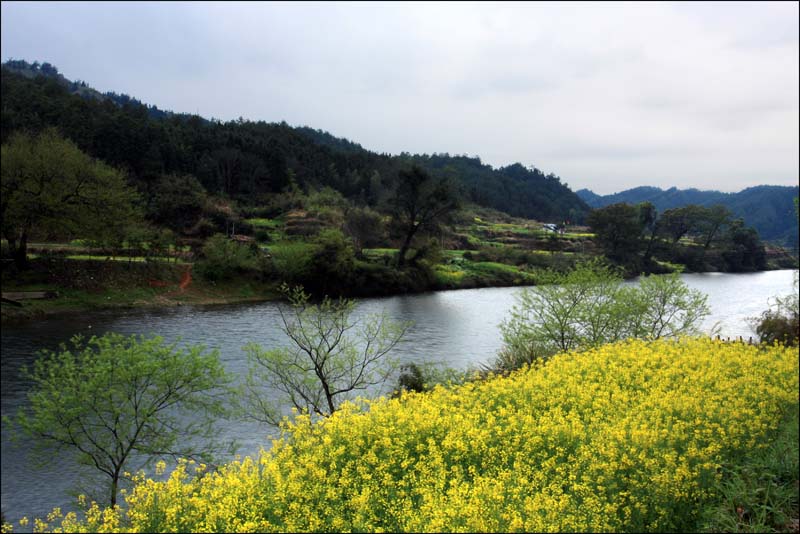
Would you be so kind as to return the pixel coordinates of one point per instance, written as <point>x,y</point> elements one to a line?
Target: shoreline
<point>76,301</point>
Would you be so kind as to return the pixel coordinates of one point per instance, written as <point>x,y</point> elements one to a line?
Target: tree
<point>224,258</point>
<point>677,222</point>
<point>648,217</point>
<point>618,229</point>
<point>743,249</point>
<point>364,226</point>
<point>590,306</point>
<point>333,355</point>
<point>712,220</point>
<point>332,264</point>
<point>176,201</point>
<point>114,397</point>
<point>420,202</point>
<point>49,185</point>
<point>565,311</point>
<point>664,306</point>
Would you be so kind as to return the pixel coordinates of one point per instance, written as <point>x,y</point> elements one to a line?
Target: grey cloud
<point>474,88</point>
<point>635,92</point>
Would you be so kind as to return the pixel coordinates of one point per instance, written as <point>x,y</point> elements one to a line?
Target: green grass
<point>81,245</point>
<point>674,267</point>
<point>104,257</point>
<point>453,254</point>
<point>70,299</point>
<point>760,493</point>
<point>379,252</point>
<point>199,292</point>
<point>464,273</point>
<point>272,224</point>
<point>539,252</point>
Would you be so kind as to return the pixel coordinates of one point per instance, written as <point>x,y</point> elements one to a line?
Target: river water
<point>454,328</point>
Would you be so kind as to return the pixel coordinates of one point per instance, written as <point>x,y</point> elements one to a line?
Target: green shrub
<point>780,323</point>
<point>775,327</point>
<point>410,378</point>
<point>589,306</point>
<point>332,265</point>
<point>291,260</point>
<point>421,377</point>
<point>223,258</point>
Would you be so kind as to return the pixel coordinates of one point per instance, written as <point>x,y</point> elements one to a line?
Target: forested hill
<point>767,208</point>
<point>248,161</point>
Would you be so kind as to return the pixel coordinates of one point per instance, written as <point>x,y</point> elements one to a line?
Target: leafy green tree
<point>333,356</point>
<point>664,306</point>
<point>332,263</point>
<point>618,230</point>
<point>419,203</point>
<point>742,249</point>
<point>292,261</point>
<point>176,201</point>
<point>48,185</point>
<point>590,306</point>
<point>365,227</point>
<point>582,307</point>
<point>711,223</point>
<point>224,258</point>
<point>116,398</point>
<point>678,222</point>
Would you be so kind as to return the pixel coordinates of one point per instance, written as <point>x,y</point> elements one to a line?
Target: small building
<point>550,227</point>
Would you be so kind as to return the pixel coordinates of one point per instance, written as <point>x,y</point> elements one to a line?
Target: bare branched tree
<point>333,356</point>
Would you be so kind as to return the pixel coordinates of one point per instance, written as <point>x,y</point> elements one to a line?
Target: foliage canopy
<point>116,399</point>
<point>590,306</point>
<point>48,185</point>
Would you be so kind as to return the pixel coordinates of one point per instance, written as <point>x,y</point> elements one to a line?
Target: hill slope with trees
<point>767,208</point>
<point>248,161</point>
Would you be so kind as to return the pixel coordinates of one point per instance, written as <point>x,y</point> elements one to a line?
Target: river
<point>455,328</point>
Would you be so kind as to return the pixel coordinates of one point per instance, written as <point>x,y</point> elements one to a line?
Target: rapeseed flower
<point>625,437</point>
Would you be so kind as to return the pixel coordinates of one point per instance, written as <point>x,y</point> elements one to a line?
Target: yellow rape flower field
<point>626,437</point>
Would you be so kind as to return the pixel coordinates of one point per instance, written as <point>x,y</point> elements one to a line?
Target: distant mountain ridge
<point>247,160</point>
<point>767,208</point>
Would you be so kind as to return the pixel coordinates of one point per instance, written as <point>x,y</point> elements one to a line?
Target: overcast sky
<point>607,96</point>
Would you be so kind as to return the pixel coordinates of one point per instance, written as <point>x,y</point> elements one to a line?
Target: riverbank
<point>85,285</point>
<point>73,301</point>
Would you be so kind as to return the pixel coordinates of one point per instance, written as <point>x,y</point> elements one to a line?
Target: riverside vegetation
<point>643,434</point>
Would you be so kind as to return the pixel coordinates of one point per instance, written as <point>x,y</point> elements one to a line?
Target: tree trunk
<point>114,485</point>
<point>401,258</point>
<point>19,252</point>
<point>649,250</point>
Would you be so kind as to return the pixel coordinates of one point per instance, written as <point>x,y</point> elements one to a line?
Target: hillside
<point>250,161</point>
<point>767,208</point>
